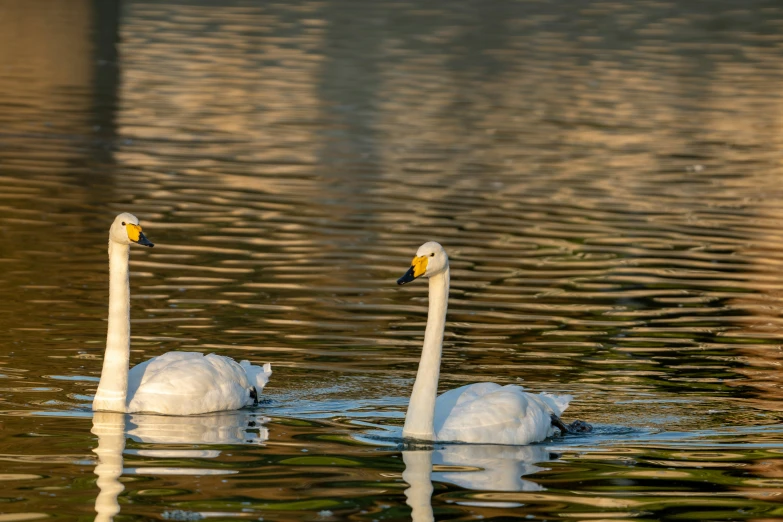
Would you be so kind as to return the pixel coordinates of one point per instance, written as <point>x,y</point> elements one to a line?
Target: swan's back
<point>491,413</point>
<point>186,383</point>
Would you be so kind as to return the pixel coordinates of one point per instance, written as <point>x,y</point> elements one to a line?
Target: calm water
<point>606,176</point>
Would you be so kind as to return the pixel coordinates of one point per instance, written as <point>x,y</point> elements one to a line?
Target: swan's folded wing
<point>446,402</point>
<point>182,383</point>
<point>505,415</point>
<point>469,392</point>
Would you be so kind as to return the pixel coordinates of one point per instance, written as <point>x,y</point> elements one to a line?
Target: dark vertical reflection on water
<point>606,177</point>
<point>106,42</point>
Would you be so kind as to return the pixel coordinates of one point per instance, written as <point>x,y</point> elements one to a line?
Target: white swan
<point>175,383</point>
<point>480,413</point>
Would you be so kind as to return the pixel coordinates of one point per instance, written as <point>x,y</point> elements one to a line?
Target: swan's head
<point>126,230</point>
<point>430,260</point>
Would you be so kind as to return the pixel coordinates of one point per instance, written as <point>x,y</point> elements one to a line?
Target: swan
<point>175,383</point>
<point>478,413</point>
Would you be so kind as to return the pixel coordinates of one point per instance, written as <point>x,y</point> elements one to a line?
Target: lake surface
<point>607,178</point>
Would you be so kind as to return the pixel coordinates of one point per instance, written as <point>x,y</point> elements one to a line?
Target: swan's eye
<point>123,223</point>
<point>432,255</point>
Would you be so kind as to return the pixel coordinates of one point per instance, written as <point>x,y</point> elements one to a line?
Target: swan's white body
<point>175,383</point>
<point>480,413</point>
<point>490,413</point>
<point>186,383</point>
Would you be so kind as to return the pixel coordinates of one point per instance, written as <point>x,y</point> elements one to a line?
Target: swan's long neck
<point>113,388</point>
<point>421,409</point>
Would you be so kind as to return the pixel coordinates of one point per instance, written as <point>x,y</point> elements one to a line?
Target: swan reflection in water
<point>481,467</point>
<point>112,429</point>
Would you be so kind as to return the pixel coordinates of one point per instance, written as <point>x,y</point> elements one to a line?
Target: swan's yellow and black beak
<point>135,235</point>
<point>417,269</point>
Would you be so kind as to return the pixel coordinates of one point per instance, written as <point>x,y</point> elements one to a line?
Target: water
<point>605,177</point>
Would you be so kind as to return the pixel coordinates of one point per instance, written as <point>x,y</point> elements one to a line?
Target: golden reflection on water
<point>52,74</point>
<point>604,176</point>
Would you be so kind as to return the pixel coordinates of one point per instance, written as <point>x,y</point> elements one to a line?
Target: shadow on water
<point>106,81</point>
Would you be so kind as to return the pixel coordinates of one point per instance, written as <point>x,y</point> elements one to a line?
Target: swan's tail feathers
<point>257,375</point>
<point>558,403</point>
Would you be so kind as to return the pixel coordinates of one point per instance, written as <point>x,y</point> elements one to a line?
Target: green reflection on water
<point>319,461</point>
